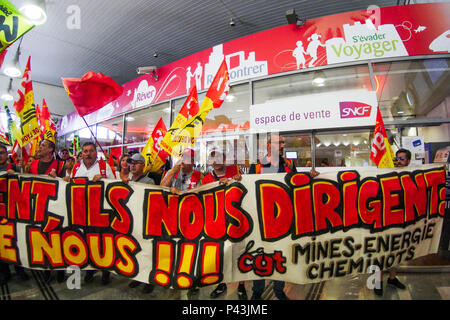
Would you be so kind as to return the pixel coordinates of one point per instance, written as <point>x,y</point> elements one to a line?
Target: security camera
<point>155,54</point>
<point>232,24</point>
<point>145,70</point>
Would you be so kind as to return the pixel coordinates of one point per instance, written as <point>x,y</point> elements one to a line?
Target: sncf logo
<point>350,109</point>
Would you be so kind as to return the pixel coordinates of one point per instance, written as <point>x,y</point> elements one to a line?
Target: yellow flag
<point>187,111</point>
<point>155,156</point>
<point>26,109</point>
<point>186,136</point>
<point>13,24</point>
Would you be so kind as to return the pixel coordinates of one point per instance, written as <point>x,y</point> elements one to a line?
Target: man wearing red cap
<point>223,173</point>
<point>182,176</point>
<point>93,169</point>
<point>48,165</point>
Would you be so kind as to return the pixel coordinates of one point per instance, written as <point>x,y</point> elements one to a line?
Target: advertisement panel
<point>398,31</point>
<point>340,109</point>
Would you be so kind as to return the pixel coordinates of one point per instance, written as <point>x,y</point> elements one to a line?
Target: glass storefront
<point>110,132</point>
<point>413,96</point>
<point>140,124</point>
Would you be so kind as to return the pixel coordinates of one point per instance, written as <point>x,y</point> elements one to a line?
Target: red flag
<point>47,116</point>
<point>381,152</point>
<point>190,106</point>
<point>220,86</point>
<point>92,92</point>
<point>157,135</point>
<point>16,151</point>
<point>40,120</point>
<point>114,153</point>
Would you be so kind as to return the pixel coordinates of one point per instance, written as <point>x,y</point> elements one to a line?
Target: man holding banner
<point>223,174</point>
<point>46,164</point>
<point>137,164</point>
<point>10,168</point>
<point>402,159</point>
<point>94,169</point>
<point>182,176</point>
<point>273,162</point>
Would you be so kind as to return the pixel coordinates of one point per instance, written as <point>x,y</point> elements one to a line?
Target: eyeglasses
<point>400,158</point>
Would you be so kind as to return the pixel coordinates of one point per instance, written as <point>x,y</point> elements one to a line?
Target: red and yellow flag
<point>39,119</point>
<point>187,134</point>
<point>48,124</point>
<point>381,153</point>
<point>23,152</point>
<point>187,111</point>
<point>155,156</point>
<point>26,110</point>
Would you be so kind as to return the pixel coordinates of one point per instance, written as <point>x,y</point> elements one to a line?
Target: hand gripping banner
<point>287,227</point>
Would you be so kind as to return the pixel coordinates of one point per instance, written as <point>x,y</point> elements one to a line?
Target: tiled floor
<point>419,286</point>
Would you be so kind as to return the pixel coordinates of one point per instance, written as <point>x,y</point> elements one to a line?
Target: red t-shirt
<point>230,172</point>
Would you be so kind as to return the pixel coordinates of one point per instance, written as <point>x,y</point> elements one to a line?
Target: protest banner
<point>288,227</point>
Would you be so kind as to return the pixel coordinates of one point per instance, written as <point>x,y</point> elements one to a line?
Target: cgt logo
<point>350,109</point>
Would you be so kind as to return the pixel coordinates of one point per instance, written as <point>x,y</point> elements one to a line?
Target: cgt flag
<point>155,156</point>
<point>92,92</point>
<point>187,111</point>
<point>48,124</point>
<point>26,110</point>
<point>13,24</point>
<point>381,152</point>
<point>191,130</point>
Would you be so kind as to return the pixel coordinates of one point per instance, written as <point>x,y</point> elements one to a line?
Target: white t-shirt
<point>93,170</point>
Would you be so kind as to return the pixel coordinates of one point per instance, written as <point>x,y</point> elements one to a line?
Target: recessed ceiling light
<point>239,110</point>
<point>34,11</point>
<point>230,98</point>
<point>129,118</point>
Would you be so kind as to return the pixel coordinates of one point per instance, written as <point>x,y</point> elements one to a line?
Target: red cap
<point>189,152</point>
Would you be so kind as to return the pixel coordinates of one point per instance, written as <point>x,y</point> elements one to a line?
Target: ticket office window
<point>338,149</point>
<point>297,147</point>
<point>110,132</point>
<point>312,82</point>
<point>412,88</point>
<point>140,124</point>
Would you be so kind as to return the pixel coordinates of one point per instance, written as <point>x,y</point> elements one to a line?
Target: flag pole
<point>153,161</point>
<point>96,141</point>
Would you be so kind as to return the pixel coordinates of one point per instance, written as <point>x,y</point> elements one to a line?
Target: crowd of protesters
<point>182,177</point>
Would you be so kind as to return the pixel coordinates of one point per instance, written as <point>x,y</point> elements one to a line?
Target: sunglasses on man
<point>400,158</point>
